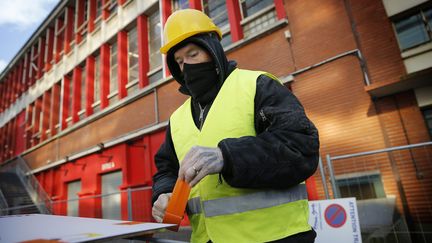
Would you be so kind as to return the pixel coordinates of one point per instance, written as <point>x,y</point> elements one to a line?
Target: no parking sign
<point>335,220</point>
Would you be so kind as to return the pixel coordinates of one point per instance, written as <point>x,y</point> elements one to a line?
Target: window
<point>33,63</point>
<point>96,90</point>
<point>73,202</point>
<point>59,36</point>
<point>180,4</point>
<point>71,91</point>
<point>427,113</point>
<point>155,43</point>
<point>133,55</point>
<point>113,84</point>
<point>257,15</point>
<point>55,109</point>
<point>415,29</point>
<point>361,186</point>
<point>98,15</point>
<point>113,71</point>
<point>111,207</point>
<point>29,125</point>
<point>81,19</point>
<point>428,15</point>
<point>217,11</point>
<point>83,90</point>
<point>250,7</point>
<point>110,8</point>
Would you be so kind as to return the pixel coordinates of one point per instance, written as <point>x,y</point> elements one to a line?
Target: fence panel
<point>393,190</point>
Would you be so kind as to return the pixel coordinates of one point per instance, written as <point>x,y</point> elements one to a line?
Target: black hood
<point>211,43</point>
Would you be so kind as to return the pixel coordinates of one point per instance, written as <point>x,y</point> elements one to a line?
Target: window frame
<point>426,27</point>
<point>355,179</point>
<point>423,111</point>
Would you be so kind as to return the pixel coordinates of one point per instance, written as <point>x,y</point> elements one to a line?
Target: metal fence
<point>393,190</point>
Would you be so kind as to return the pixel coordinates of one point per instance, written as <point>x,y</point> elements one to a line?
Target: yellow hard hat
<point>183,24</point>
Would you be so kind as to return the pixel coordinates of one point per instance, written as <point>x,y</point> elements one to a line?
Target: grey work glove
<point>160,206</point>
<point>199,162</point>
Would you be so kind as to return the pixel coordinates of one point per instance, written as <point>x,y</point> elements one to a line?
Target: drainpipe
<point>355,52</point>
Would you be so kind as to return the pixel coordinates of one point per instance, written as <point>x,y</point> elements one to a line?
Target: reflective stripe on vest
<point>248,202</point>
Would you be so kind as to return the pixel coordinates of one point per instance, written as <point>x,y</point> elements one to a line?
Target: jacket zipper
<point>201,117</point>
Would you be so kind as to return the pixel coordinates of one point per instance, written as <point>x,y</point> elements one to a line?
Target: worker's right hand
<point>160,206</point>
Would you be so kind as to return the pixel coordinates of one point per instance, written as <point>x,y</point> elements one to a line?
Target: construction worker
<point>242,141</point>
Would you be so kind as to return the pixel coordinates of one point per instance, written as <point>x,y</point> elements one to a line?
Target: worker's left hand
<point>199,162</point>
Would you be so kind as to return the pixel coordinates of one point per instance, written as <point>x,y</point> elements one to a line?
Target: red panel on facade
<point>1,97</point>
<point>2,142</point>
<point>9,138</point>
<point>2,149</point>
<point>16,83</point>
<point>80,21</point>
<point>105,10</point>
<point>49,182</point>
<point>8,83</point>
<point>122,55</point>
<point>311,188</point>
<point>92,15</point>
<point>195,4</point>
<point>6,141</point>
<point>234,17</point>
<point>11,89</point>
<point>138,172</point>
<point>13,85</point>
<point>20,78</point>
<point>280,9</point>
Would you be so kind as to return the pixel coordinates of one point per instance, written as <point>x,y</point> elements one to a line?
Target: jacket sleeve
<point>285,151</point>
<point>167,167</point>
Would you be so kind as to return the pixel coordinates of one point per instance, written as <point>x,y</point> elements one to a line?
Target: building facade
<point>86,100</point>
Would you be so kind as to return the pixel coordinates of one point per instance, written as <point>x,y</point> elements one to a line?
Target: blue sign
<point>335,215</point>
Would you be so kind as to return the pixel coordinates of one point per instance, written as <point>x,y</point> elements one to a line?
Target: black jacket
<point>284,153</point>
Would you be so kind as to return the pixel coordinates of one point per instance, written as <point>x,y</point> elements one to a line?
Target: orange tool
<point>177,204</point>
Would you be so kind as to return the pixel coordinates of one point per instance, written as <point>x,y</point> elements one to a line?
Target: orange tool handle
<point>177,204</point>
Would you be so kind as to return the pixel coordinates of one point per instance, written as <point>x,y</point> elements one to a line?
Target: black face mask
<point>201,80</point>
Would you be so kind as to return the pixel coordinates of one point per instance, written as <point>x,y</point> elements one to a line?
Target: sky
<point>18,20</point>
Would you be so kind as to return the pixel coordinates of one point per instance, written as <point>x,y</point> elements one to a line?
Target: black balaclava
<point>201,80</point>
<point>218,65</point>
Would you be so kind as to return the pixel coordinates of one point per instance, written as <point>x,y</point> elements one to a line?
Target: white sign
<point>335,220</point>
<point>55,228</point>
<point>107,166</point>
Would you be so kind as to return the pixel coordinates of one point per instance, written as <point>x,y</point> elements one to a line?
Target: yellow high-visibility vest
<point>216,210</point>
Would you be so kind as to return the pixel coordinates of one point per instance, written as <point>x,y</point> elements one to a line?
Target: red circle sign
<point>335,215</point>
